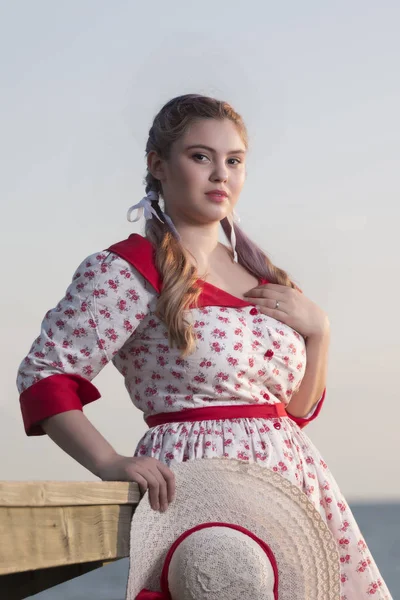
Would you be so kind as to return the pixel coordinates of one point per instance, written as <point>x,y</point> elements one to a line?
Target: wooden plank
<point>17,586</point>
<point>67,493</point>
<point>42,537</point>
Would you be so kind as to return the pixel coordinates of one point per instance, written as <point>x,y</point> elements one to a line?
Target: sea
<point>379,523</point>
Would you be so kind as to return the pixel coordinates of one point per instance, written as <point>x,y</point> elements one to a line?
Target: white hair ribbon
<point>233,219</point>
<point>171,226</point>
<point>236,218</point>
<point>144,206</point>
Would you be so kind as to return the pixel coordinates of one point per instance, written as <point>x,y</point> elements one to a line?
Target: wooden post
<point>53,531</point>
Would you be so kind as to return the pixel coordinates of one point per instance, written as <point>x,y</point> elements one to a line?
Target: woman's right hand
<point>149,473</point>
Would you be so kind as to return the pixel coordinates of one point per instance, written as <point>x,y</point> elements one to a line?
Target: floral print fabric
<point>242,357</point>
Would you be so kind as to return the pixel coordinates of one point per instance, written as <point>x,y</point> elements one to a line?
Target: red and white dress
<point>244,361</point>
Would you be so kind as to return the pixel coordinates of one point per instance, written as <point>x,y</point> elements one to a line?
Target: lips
<point>217,194</point>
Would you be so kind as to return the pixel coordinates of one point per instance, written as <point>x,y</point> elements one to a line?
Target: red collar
<point>139,252</point>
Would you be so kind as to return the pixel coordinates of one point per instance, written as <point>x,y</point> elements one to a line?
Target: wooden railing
<point>53,531</point>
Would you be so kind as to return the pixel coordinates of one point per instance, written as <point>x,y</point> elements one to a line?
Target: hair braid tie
<point>149,206</point>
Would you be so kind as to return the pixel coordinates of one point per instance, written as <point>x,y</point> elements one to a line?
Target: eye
<point>200,156</point>
<point>238,162</point>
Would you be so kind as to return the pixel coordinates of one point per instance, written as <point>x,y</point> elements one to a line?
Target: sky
<point>318,87</point>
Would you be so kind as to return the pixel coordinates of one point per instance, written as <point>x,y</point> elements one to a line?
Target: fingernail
<point>164,507</point>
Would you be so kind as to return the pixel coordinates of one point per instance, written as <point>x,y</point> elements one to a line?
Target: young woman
<point>222,352</point>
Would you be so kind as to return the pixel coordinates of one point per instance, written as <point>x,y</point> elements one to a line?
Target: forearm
<point>314,380</point>
<point>74,433</point>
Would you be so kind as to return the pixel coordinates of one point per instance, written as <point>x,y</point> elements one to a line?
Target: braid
<point>180,290</point>
<point>155,204</point>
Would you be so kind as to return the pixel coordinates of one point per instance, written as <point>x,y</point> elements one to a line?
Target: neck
<point>201,243</point>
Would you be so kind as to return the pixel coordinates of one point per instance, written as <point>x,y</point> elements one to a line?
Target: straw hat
<point>235,530</point>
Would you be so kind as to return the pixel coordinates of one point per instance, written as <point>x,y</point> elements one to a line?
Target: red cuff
<point>303,421</point>
<point>52,395</point>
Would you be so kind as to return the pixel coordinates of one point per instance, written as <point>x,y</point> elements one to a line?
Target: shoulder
<point>121,265</point>
<point>102,264</point>
<point>138,252</point>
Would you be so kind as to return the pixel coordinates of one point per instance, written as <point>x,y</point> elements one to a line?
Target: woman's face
<point>209,156</point>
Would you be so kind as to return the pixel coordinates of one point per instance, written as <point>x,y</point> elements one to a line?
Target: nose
<point>220,173</point>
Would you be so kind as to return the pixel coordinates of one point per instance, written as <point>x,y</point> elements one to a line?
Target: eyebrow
<point>240,151</point>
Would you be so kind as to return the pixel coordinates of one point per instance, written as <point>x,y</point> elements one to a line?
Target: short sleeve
<point>100,311</point>
<point>313,414</point>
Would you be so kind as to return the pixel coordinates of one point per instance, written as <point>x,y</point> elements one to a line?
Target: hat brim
<point>249,495</point>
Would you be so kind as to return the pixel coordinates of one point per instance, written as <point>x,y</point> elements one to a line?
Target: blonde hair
<point>179,291</point>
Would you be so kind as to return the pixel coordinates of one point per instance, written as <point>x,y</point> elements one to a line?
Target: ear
<point>156,165</point>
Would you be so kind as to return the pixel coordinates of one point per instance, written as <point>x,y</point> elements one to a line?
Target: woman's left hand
<point>295,310</point>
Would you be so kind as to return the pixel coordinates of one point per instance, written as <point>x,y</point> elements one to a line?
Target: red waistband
<point>215,413</point>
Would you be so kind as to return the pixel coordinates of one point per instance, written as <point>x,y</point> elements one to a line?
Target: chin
<point>217,215</point>
<point>220,208</point>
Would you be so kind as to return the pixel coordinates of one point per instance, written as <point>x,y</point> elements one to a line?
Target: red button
<point>254,311</point>
<point>277,425</point>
